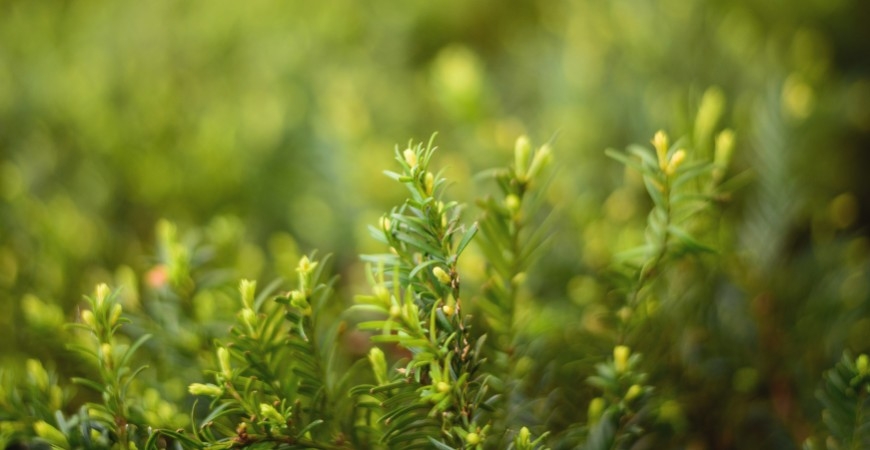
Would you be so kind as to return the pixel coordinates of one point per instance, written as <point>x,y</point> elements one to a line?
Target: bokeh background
<point>171,148</point>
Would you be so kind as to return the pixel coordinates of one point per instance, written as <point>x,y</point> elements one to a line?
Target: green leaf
<point>688,241</point>
<point>625,159</point>
<point>440,445</point>
<point>132,349</point>
<point>466,239</point>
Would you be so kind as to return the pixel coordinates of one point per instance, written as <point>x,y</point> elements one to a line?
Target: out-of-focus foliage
<point>259,127</point>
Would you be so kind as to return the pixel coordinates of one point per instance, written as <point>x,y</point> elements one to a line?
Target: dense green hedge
<point>172,149</point>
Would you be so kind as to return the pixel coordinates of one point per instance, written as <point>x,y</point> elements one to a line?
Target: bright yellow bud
<point>448,310</point>
<point>596,408</point>
<point>50,434</point>
<point>862,364</point>
<point>660,142</point>
<point>441,275</point>
<point>37,373</point>
<point>541,160</point>
<point>102,293</point>
<point>88,318</point>
<point>676,159</point>
<point>106,354</point>
<point>306,266</point>
<point>379,364</point>
<point>224,361</point>
<point>522,153</point>
<point>208,390</point>
<point>524,436</point>
<point>429,183</point>
<point>410,157</point>
<point>248,290</point>
<point>115,314</point>
<point>472,438</point>
<point>512,202</point>
<point>382,293</point>
<point>633,392</point>
<point>395,311</point>
<point>271,414</point>
<point>620,358</point>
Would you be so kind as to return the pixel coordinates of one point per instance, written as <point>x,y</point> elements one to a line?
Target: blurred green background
<point>260,129</point>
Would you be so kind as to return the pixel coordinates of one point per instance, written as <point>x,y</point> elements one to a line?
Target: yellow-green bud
<point>55,397</point>
<point>442,387</point>
<point>522,153</point>
<point>209,390</point>
<point>248,290</point>
<point>512,203</point>
<point>448,310</point>
<point>620,358</point>
<point>224,361</point>
<point>385,223</point>
<point>249,318</point>
<point>596,409</point>
<point>382,293</point>
<point>115,314</point>
<point>472,438</point>
<point>660,142</point>
<point>306,266</point>
<point>37,373</point>
<point>379,364</point>
<point>441,275</point>
<point>524,436</point>
<point>724,148</point>
<point>676,159</point>
<point>862,364</point>
<point>429,183</point>
<point>88,318</point>
<point>102,293</point>
<point>106,354</point>
<point>410,157</point>
<point>271,414</point>
<point>722,151</point>
<point>300,301</point>
<point>395,311</point>
<point>50,434</point>
<point>633,392</point>
<point>541,160</point>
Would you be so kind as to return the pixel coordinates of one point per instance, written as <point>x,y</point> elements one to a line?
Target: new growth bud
<point>88,318</point>
<point>115,314</point>
<point>620,358</point>
<point>209,390</point>
<point>51,434</point>
<point>410,157</point>
<point>102,293</point>
<point>429,183</point>
<point>379,364</point>
<point>676,159</point>
<point>224,360</point>
<point>522,154</point>
<point>660,142</point>
<point>271,414</point>
<point>248,290</point>
<point>441,275</point>
<point>512,202</point>
<point>541,160</point>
